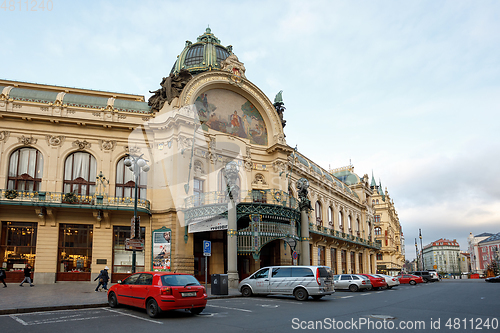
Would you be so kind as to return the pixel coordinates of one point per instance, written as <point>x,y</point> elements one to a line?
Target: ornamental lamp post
<point>421,248</point>
<point>136,164</point>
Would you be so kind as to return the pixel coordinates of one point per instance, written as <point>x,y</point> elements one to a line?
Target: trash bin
<point>218,284</point>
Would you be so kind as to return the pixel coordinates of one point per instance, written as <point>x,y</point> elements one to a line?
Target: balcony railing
<point>271,197</point>
<point>54,199</point>
<point>342,236</point>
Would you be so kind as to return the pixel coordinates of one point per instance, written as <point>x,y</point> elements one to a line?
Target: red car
<point>159,291</point>
<point>411,279</point>
<point>376,281</point>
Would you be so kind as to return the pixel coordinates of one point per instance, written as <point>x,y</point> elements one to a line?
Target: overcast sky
<point>407,89</point>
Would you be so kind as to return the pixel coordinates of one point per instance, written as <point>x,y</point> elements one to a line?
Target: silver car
<point>392,281</point>
<point>299,281</point>
<point>352,282</point>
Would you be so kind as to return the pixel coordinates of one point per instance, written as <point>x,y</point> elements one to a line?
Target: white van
<point>299,281</point>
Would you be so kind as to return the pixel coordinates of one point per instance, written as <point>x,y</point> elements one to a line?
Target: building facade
<point>388,232</point>
<point>473,249</point>
<point>443,255</point>
<point>219,170</point>
<point>489,252</point>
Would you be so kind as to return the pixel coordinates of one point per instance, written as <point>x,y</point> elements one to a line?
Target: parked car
<point>299,281</point>
<point>409,278</point>
<point>352,282</point>
<point>376,281</point>
<point>434,276</point>
<point>493,279</point>
<point>426,276</point>
<point>159,291</point>
<point>392,281</point>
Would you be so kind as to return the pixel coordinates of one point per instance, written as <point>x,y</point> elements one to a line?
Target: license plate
<point>190,294</point>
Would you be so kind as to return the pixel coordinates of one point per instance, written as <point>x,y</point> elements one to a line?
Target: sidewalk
<point>61,296</point>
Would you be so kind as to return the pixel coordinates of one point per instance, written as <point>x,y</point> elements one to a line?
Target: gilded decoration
<point>54,141</point>
<point>225,111</point>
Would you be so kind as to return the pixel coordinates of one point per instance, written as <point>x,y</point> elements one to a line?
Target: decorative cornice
<point>55,141</point>
<point>107,145</point>
<point>81,144</point>
<point>27,140</point>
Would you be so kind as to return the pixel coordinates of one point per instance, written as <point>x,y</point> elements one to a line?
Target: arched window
<point>341,221</point>
<point>125,182</point>
<point>330,216</point>
<point>80,173</point>
<point>377,201</point>
<point>25,170</point>
<point>349,224</point>
<point>373,202</point>
<point>358,227</point>
<point>378,231</point>
<point>319,220</point>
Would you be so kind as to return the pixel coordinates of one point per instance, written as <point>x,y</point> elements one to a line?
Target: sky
<point>408,91</point>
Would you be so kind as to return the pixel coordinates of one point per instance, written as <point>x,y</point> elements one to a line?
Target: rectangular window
<point>198,191</point>
<point>18,245</point>
<point>75,252</point>
<point>122,259</point>
<point>333,259</point>
<point>380,256</point>
<point>343,258</point>
<point>377,218</point>
<point>360,260</point>
<point>321,256</point>
<point>353,262</point>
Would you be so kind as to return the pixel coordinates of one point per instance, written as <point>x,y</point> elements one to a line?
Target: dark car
<point>159,291</point>
<point>426,276</point>
<point>493,279</point>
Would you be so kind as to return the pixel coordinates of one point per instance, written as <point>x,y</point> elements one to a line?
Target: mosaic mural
<point>228,112</point>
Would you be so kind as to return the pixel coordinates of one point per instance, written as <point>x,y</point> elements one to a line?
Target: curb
<point>79,306</point>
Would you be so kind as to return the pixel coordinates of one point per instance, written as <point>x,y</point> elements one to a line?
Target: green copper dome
<point>204,55</point>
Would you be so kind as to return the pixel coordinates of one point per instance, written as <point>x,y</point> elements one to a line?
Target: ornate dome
<point>204,55</point>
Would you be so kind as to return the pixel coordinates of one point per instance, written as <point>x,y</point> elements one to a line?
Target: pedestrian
<point>103,278</point>
<point>3,276</point>
<point>27,275</point>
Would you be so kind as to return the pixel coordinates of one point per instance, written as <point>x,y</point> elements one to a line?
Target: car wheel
<point>196,311</point>
<point>353,288</point>
<point>317,297</point>
<point>412,282</point>
<point>246,291</point>
<point>152,308</point>
<point>112,301</point>
<point>389,287</point>
<point>300,294</point>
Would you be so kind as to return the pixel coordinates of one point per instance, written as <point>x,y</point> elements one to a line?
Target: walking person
<point>103,278</point>
<point>3,276</point>
<point>27,275</point>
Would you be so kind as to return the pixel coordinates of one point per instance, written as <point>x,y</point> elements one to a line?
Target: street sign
<point>207,248</point>
<point>135,227</point>
<point>295,255</point>
<point>134,244</point>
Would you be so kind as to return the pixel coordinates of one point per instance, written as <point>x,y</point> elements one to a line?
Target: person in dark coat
<point>103,278</point>
<point>3,276</point>
<point>27,275</point>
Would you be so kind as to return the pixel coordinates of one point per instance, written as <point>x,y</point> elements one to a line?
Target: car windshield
<point>179,280</point>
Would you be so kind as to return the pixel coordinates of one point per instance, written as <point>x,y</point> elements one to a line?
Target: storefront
<point>122,259</point>
<point>17,248</point>
<point>74,252</point>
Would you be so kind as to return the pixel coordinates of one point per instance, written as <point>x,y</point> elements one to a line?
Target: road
<point>448,306</point>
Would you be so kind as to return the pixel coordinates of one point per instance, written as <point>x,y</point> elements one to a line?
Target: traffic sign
<point>295,255</point>
<point>207,248</point>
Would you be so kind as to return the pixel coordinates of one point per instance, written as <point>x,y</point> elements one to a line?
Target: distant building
<point>388,232</point>
<point>464,262</point>
<point>489,251</point>
<point>473,242</point>
<point>442,255</point>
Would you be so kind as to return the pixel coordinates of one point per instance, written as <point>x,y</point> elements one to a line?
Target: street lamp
<point>136,164</point>
<point>292,243</point>
<point>421,248</point>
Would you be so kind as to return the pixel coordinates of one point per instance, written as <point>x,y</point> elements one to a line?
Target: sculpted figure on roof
<point>171,87</point>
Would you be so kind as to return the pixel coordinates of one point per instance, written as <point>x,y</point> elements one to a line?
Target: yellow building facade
<point>67,195</point>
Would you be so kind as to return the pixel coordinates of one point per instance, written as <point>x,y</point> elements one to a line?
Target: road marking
<point>19,320</point>
<point>226,307</point>
<point>131,315</point>
<point>347,296</point>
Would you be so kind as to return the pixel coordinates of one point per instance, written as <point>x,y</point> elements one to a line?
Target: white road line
<point>225,307</point>
<point>347,296</point>
<point>19,320</point>
<point>130,315</point>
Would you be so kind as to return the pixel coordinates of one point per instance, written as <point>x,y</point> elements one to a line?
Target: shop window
<point>122,259</point>
<point>125,182</point>
<point>321,256</point>
<point>18,245</point>
<point>333,259</point>
<point>80,174</point>
<point>25,170</point>
<point>75,248</point>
